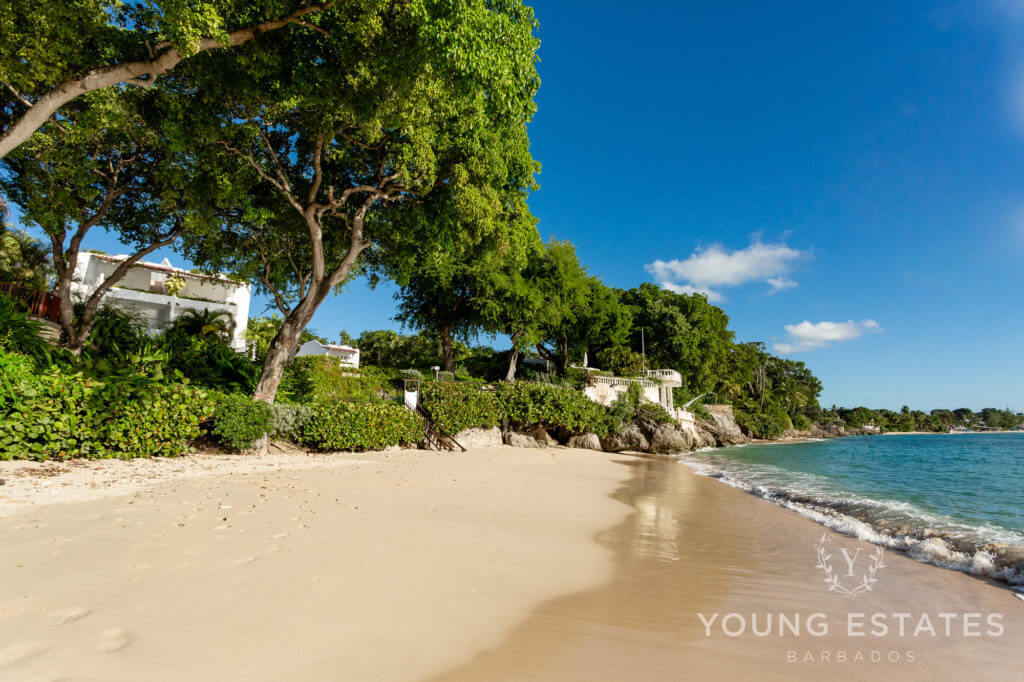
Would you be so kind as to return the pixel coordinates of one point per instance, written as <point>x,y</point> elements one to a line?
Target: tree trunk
<point>563,355</point>
<point>73,341</point>
<point>281,351</point>
<point>513,361</point>
<point>285,343</point>
<point>447,354</point>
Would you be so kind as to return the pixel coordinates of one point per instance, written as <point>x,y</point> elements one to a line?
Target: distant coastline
<point>949,433</point>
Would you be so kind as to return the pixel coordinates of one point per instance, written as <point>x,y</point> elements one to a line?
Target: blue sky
<point>858,164</point>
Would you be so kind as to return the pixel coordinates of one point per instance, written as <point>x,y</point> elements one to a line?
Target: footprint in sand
<point>17,653</point>
<point>280,535</point>
<point>246,560</point>
<point>71,615</point>
<point>274,548</point>
<point>113,639</point>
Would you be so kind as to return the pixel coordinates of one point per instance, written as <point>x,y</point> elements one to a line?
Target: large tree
<point>581,313</point>
<point>681,332</point>
<point>122,165</point>
<point>444,295</point>
<point>55,52</point>
<point>397,131</point>
<point>511,302</point>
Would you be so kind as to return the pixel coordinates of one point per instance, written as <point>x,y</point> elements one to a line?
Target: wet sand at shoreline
<point>694,546</point>
<point>499,564</point>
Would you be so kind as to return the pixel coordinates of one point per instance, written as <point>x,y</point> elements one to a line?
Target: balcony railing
<point>623,381</point>
<point>39,303</point>
<point>666,375</point>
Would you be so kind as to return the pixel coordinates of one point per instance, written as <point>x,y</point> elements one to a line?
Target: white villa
<point>347,355</point>
<point>142,291</point>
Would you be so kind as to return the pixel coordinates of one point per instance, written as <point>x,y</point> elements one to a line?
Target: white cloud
<point>810,335</point>
<point>780,283</point>
<point>715,266</point>
<point>712,295</point>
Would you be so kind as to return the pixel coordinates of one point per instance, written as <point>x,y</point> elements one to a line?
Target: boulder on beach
<point>518,439</point>
<point>668,440</point>
<point>630,438</point>
<point>479,438</point>
<point>587,441</point>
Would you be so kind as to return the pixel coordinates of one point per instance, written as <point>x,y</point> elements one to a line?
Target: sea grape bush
<point>456,406</point>
<point>770,422</point>
<point>526,404</point>
<point>58,412</point>
<point>239,421</point>
<point>361,426</point>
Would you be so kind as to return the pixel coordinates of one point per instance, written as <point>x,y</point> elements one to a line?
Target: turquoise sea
<point>951,500</point>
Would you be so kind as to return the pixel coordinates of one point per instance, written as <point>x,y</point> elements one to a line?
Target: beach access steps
<point>434,436</point>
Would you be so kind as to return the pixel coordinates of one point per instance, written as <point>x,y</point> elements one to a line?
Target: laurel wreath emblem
<point>832,579</point>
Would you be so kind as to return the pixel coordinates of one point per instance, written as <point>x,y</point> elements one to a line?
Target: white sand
<point>364,567</point>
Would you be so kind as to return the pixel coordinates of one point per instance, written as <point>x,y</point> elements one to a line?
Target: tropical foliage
<point>238,421</point>
<point>338,425</point>
<point>61,412</point>
<point>456,406</point>
<point>23,259</point>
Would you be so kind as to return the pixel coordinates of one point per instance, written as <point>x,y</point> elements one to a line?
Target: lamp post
<point>437,370</point>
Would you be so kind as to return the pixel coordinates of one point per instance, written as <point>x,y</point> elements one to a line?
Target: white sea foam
<point>932,550</point>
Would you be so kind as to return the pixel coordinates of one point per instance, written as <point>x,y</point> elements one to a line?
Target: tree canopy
<point>397,131</point>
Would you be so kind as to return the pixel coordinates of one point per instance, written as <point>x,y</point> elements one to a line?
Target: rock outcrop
<point>726,430</point>
<point>479,438</point>
<point>588,441</point>
<point>630,438</point>
<point>518,439</point>
<point>669,440</point>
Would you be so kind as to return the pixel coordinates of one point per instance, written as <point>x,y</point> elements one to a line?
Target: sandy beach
<point>498,563</point>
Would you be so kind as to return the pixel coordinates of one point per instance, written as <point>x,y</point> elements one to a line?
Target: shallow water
<point>952,500</point>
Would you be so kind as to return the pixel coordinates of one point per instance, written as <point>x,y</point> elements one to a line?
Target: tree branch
<point>124,266</point>
<point>136,73</point>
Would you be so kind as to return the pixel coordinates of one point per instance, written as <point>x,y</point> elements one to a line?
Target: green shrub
<point>17,372</point>
<point>239,421</point>
<point>60,412</point>
<point>116,333</point>
<point>287,421</point>
<point>19,332</point>
<point>348,426</point>
<point>524,405</point>
<point>446,376</point>
<point>801,422</point>
<point>159,420</point>
<point>209,360</point>
<point>768,422</point>
<point>701,412</point>
<point>631,407</point>
<point>458,406</point>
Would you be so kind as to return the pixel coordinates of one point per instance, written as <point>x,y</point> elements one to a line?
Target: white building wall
<point>140,292</point>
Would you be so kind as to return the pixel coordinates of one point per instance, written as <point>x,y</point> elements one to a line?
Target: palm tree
<point>205,322</point>
<point>23,260</point>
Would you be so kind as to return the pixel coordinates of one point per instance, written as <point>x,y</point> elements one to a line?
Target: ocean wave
<point>981,550</point>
